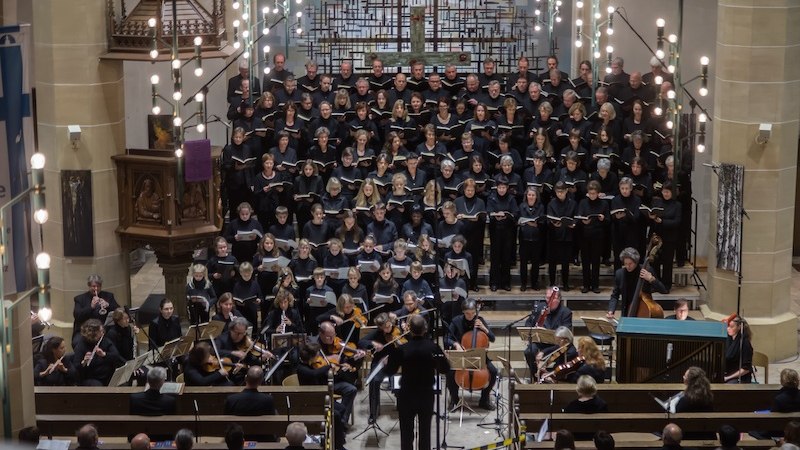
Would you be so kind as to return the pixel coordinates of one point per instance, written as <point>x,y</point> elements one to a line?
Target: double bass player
<point>626,279</point>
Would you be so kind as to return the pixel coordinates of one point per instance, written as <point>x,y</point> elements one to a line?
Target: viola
<point>561,371</point>
<point>213,364</point>
<point>642,303</point>
<point>336,355</point>
<point>475,338</point>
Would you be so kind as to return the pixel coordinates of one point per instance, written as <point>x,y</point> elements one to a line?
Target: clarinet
<point>282,327</point>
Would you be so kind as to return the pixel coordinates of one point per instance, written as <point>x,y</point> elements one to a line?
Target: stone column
<point>758,47</point>
<point>20,368</point>
<point>175,271</point>
<point>75,86</point>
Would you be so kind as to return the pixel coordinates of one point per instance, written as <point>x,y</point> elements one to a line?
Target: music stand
<point>537,335</point>
<point>470,360</point>
<point>212,329</point>
<point>601,329</point>
<point>374,425</point>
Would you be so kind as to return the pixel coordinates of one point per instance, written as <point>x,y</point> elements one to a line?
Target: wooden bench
<point>535,398</point>
<point>123,425</point>
<point>204,446</point>
<point>656,444</point>
<point>210,400</point>
<point>633,409</point>
<point>60,411</point>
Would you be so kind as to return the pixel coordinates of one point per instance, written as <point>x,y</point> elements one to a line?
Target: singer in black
<point>460,325</point>
<point>625,280</point>
<point>551,315</point>
<point>738,353</point>
<point>420,358</point>
<point>165,327</point>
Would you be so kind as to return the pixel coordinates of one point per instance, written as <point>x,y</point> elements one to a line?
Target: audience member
<point>152,402</point>
<point>140,442</point>
<point>87,438</point>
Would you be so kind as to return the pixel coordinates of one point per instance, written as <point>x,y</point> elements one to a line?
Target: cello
<point>642,304</point>
<point>475,338</point>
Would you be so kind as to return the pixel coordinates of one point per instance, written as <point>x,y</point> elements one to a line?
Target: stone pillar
<point>75,86</point>
<point>756,82</point>
<point>175,271</point>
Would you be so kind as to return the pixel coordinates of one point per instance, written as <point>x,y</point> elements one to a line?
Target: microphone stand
<point>196,422</point>
<point>443,417</point>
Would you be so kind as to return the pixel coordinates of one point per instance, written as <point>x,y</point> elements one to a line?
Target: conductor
<point>420,358</point>
<point>625,280</point>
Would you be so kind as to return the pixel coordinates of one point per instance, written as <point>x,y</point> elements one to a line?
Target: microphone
<point>669,352</point>
<point>288,409</point>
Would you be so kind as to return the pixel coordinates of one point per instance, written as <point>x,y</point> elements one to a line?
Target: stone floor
<point>468,430</point>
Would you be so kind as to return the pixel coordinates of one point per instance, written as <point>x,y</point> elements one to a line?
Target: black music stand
<point>470,360</point>
<point>374,425</point>
<point>602,331</point>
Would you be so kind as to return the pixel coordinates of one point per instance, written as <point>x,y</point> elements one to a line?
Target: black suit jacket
<point>152,403</point>
<point>83,311</point>
<point>249,402</point>
<point>787,400</point>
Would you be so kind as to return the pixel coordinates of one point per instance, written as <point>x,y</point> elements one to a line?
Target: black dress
<point>591,406</point>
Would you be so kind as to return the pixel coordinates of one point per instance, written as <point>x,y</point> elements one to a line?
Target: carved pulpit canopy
<point>130,37</point>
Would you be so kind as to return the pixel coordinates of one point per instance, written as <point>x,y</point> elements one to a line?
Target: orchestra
<point>402,188</point>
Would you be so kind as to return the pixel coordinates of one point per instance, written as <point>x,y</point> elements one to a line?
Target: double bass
<point>642,304</point>
<point>475,338</point>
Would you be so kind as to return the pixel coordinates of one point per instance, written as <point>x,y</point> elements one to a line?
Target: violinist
<point>312,371</point>
<point>461,324</point>
<point>551,315</point>
<point>412,305</point>
<point>626,279</point>
<point>346,317</point>
<point>594,364</point>
<point>563,352</point>
<point>240,348</point>
<point>386,331</point>
<point>421,359</point>
<point>345,367</point>
<point>203,369</point>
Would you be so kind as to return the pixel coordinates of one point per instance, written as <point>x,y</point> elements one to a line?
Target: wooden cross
<point>418,53</point>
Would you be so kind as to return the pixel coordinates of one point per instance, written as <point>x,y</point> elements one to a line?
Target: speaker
<point>149,310</point>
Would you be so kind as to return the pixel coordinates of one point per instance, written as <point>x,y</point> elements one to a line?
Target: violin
<point>397,337</point>
<point>551,358</point>
<point>338,352</point>
<point>357,317</point>
<point>642,303</point>
<point>213,364</point>
<point>561,371</point>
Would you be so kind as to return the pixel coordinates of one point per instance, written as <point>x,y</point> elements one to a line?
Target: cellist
<point>550,314</point>
<point>625,280</point>
<point>462,324</point>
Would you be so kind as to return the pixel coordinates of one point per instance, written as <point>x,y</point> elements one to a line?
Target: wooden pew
<point>633,409</point>
<point>204,446</point>
<point>210,400</point>
<point>656,444</point>
<point>650,422</point>
<point>639,397</point>
<point>122,425</point>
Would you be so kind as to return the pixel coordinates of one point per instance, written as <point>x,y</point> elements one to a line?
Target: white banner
<point>16,148</point>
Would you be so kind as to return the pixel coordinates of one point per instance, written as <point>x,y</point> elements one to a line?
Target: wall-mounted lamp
<point>74,135</point>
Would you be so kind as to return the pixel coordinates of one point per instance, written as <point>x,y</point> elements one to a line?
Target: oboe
<point>282,327</point>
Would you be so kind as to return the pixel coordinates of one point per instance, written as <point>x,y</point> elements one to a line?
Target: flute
<point>94,351</point>
<point>52,367</point>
